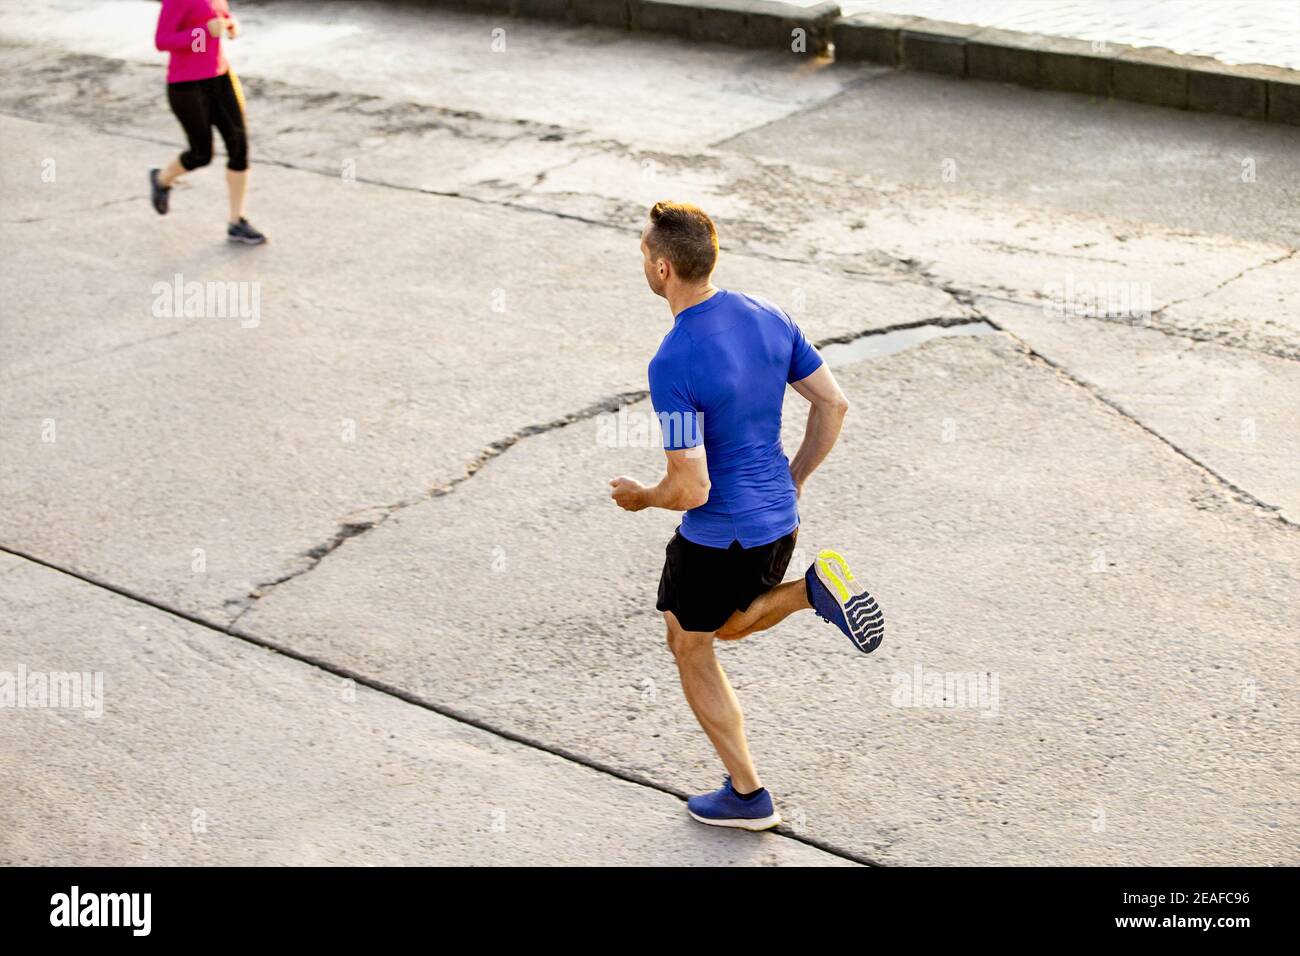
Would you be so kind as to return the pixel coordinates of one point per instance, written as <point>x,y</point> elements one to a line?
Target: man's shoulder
<point>673,352</point>
<point>757,304</point>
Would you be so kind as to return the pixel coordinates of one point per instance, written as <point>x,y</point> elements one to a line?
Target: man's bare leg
<point>769,608</point>
<point>713,701</point>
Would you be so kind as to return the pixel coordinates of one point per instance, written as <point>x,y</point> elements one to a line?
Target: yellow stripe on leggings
<point>239,92</point>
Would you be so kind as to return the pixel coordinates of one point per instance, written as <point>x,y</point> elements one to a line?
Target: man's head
<point>679,245</point>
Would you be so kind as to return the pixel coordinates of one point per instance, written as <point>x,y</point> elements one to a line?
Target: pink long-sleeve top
<point>183,32</point>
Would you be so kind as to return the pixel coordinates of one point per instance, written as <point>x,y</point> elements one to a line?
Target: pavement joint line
<point>268,158</point>
<point>909,266</point>
<point>73,212</point>
<point>1044,253</point>
<point>604,209</point>
<point>407,697</point>
<point>962,296</point>
<point>967,297</point>
<point>1190,335</point>
<point>880,73</point>
<point>353,529</point>
<point>98,355</point>
<point>1242,494</point>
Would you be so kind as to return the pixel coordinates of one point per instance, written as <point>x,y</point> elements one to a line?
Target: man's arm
<point>685,486</point>
<point>828,407</point>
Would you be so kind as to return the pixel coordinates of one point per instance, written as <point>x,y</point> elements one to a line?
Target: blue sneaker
<point>837,598</point>
<point>722,808</point>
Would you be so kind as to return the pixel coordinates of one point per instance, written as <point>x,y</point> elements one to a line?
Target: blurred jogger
<point>203,91</point>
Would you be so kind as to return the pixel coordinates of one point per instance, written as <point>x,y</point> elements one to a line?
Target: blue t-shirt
<point>719,379</point>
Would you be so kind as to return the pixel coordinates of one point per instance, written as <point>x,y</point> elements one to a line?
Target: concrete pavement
<point>397,470</point>
<point>207,750</point>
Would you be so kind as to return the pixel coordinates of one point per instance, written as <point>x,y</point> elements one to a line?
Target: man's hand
<point>628,493</point>
<point>215,26</point>
<point>685,486</point>
<point>232,27</point>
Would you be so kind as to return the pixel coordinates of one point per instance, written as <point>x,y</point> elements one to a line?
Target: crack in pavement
<point>1173,332</point>
<point>967,297</point>
<point>907,266</point>
<point>70,213</point>
<point>451,713</point>
<point>352,528</point>
<point>494,450</point>
<point>121,347</point>
<point>1203,295</point>
<point>1001,246</point>
<point>1243,496</point>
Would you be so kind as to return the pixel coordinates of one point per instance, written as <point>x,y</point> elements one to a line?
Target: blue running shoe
<point>722,808</point>
<point>837,598</point>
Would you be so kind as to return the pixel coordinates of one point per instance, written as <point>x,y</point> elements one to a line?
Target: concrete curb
<point>758,24</point>
<point>1141,74</point>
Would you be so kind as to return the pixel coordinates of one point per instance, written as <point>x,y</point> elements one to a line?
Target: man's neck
<point>679,302</point>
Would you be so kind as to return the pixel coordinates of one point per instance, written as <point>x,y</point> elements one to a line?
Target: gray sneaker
<point>244,232</point>
<point>159,193</point>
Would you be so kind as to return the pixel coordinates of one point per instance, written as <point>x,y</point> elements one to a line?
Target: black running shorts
<point>703,586</point>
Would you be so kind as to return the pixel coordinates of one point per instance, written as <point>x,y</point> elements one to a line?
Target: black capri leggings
<point>203,104</point>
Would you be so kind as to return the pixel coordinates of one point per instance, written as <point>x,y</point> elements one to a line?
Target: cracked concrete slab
<point>1217,404</point>
<point>1072,154</point>
<point>527,74</point>
<point>1257,309</point>
<point>197,459</point>
<point>210,751</point>
<point>773,208</point>
<point>1143,640</point>
<point>1136,610</point>
<point>992,248</point>
<point>522,165</point>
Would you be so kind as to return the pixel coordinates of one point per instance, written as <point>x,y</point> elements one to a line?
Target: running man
<point>717,384</point>
<point>203,91</point>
